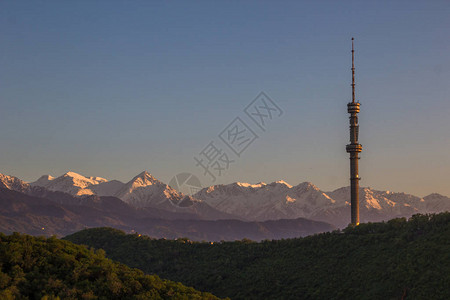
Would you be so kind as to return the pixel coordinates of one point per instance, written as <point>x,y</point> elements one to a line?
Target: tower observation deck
<point>354,148</point>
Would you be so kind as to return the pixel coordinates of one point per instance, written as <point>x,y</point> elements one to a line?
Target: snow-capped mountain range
<point>253,202</point>
<point>143,191</point>
<point>257,202</point>
<point>74,184</point>
<point>279,200</point>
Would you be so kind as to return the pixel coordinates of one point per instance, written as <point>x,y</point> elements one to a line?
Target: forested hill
<point>398,259</point>
<point>40,268</point>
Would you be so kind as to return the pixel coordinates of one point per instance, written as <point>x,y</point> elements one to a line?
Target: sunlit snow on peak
<point>244,184</point>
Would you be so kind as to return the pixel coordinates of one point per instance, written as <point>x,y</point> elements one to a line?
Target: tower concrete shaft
<point>354,148</point>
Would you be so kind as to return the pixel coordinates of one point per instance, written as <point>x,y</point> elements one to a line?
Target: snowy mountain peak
<point>70,182</point>
<point>283,183</point>
<point>143,174</point>
<point>145,190</point>
<point>47,177</point>
<point>144,179</point>
<point>306,186</point>
<point>79,177</point>
<point>13,183</point>
<point>73,175</point>
<point>244,184</point>
<point>43,180</point>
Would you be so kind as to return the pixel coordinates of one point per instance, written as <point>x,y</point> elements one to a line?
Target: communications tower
<point>354,148</point>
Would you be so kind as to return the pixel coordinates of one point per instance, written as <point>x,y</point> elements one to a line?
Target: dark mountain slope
<point>39,268</point>
<point>398,259</point>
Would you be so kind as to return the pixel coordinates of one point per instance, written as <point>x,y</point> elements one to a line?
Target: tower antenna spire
<point>353,72</point>
<point>354,148</point>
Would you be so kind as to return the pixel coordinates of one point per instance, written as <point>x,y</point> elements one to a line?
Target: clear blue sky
<point>111,88</point>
